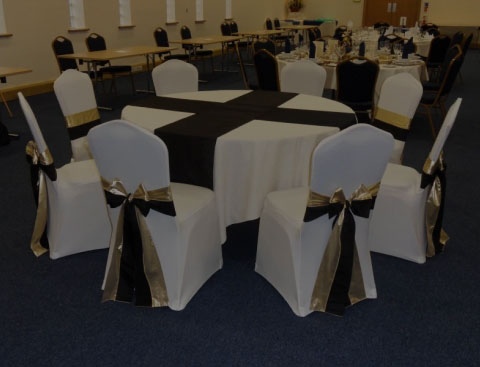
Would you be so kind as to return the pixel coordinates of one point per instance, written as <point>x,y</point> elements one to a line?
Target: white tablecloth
<point>256,158</point>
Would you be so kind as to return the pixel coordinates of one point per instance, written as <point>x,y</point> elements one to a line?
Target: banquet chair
<point>407,220</point>
<point>266,68</point>
<point>195,52</point>
<point>436,55</point>
<point>322,262</point>
<point>70,205</point>
<point>228,48</point>
<point>166,237</point>
<point>234,31</point>
<point>76,97</point>
<point>328,28</point>
<point>399,98</point>
<point>174,76</point>
<point>161,39</point>
<point>96,42</point>
<point>265,44</point>
<point>435,93</point>
<point>63,46</point>
<point>457,39</point>
<point>303,76</point>
<point>356,79</point>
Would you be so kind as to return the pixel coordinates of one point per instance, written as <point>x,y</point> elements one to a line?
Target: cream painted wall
<point>35,23</point>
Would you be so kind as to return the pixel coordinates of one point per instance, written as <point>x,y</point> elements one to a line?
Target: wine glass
<point>340,51</point>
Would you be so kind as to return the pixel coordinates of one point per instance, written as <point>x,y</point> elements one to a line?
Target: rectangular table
<point>242,144</point>
<point>6,71</point>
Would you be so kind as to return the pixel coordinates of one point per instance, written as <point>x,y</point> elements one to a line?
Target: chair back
<point>450,69</point>
<point>356,79</point>
<point>268,24</point>
<point>185,34</point>
<point>438,49</point>
<point>233,27</point>
<point>354,156</point>
<point>174,76</point>
<point>147,164</point>
<point>457,39</point>
<point>32,124</point>
<point>303,76</point>
<point>161,37</point>
<point>328,28</point>
<point>444,132</point>
<point>266,68</point>
<point>95,42</point>
<point>63,46</point>
<point>466,43</point>
<point>400,94</point>
<point>226,29</point>
<point>264,44</point>
<point>317,32</point>
<point>276,23</point>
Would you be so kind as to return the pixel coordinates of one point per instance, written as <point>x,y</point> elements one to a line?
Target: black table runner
<point>191,140</point>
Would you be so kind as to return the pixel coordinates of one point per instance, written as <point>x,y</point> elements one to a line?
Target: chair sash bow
<point>339,281</point>
<point>135,268</point>
<point>41,164</point>
<point>434,174</point>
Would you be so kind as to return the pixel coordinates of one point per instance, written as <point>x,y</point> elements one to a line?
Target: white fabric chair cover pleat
<point>188,244</point>
<point>289,250</point>
<point>77,216</point>
<point>174,76</point>
<point>303,76</point>
<point>398,226</point>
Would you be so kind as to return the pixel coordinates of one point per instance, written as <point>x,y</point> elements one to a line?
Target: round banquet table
<point>262,154</point>
<point>415,67</point>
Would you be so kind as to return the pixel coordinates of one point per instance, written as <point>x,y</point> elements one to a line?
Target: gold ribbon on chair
<point>148,283</point>
<point>392,118</point>
<point>41,164</point>
<point>434,174</point>
<point>83,117</point>
<point>339,281</point>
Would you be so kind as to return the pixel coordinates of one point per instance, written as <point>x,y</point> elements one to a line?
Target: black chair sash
<point>135,270</point>
<point>339,281</point>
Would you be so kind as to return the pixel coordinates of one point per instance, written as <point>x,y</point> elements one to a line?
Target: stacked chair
<point>407,220</point>
<point>71,213</point>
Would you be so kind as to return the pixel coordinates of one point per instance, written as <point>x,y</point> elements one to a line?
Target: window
<point>228,9</point>
<point>199,11</point>
<point>125,13</point>
<point>3,25</point>
<point>77,14</point>
<point>171,18</point>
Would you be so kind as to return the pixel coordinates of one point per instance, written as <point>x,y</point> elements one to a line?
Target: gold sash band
<point>151,263</point>
<point>436,237</point>
<point>80,118</point>
<point>39,159</point>
<point>392,118</point>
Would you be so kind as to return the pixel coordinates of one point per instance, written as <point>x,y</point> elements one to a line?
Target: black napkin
<point>288,46</point>
<point>361,49</point>
<point>408,48</point>
<point>312,50</point>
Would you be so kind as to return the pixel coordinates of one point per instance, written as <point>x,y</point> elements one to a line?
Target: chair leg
<point>6,105</point>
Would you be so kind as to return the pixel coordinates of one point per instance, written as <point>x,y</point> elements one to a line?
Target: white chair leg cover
<point>77,216</point>
<point>397,227</point>
<point>289,250</point>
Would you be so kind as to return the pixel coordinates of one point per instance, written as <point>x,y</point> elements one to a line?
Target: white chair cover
<point>187,245</point>
<point>76,96</point>
<point>174,76</point>
<point>328,28</point>
<point>77,219</point>
<point>399,98</point>
<point>398,224</point>
<point>303,76</point>
<point>290,251</point>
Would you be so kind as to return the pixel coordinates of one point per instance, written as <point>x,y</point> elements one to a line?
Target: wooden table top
<point>8,71</point>
<point>207,40</point>
<point>117,53</point>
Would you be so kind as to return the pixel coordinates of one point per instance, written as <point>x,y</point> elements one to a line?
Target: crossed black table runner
<point>191,140</point>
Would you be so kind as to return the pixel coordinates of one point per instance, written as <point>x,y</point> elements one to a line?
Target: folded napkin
<point>361,49</point>
<point>288,46</point>
<point>408,48</point>
<point>311,53</point>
